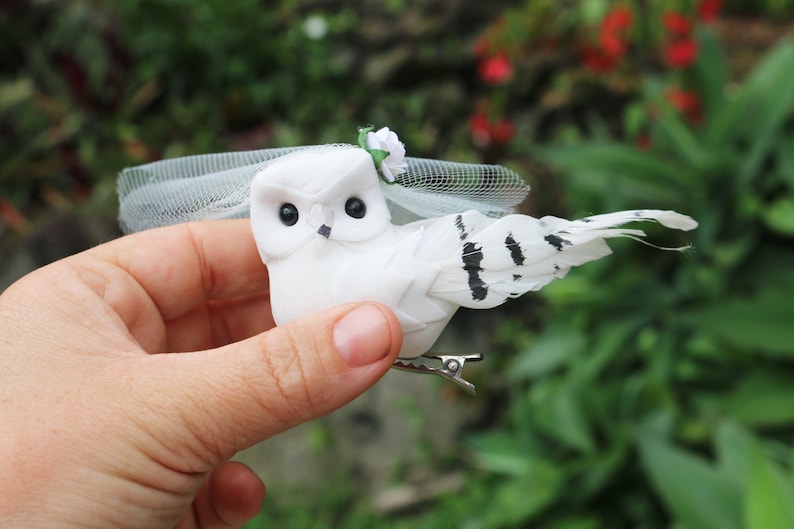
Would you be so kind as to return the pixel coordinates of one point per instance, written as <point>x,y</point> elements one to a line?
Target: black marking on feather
<point>587,219</point>
<point>516,277</point>
<point>461,227</point>
<point>515,250</point>
<point>557,241</point>
<point>472,257</point>
<point>556,267</point>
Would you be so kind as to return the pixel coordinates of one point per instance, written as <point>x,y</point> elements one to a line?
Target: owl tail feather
<point>668,219</point>
<point>516,254</point>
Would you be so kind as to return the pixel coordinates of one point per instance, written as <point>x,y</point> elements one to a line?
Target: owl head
<point>332,193</point>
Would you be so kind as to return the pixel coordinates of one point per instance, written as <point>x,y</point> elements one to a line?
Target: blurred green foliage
<point>647,390</point>
<point>661,350</point>
<point>91,86</point>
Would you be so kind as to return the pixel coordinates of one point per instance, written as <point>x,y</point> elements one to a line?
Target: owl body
<point>323,274</point>
<point>323,228</point>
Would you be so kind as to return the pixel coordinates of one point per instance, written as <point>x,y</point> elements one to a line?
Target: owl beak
<point>321,219</point>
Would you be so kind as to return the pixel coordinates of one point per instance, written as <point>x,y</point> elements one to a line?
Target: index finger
<point>184,265</point>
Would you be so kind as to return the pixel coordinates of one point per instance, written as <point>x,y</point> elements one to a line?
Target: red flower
<point>612,42</point>
<point>613,45</point>
<point>485,132</point>
<point>681,49</point>
<point>681,53</point>
<point>614,27</point>
<point>617,20</point>
<point>502,131</point>
<point>496,69</point>
<point>687,103</point>
<point>708,10</point>
<point>676,23</point>
<point>598,60</point>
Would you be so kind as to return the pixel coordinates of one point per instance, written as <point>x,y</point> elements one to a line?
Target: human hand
<point>132,372</point>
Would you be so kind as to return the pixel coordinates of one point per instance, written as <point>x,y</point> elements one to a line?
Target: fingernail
<point>362,336</point>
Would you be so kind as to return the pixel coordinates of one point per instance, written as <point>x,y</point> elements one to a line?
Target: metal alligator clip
<point>451,367</point>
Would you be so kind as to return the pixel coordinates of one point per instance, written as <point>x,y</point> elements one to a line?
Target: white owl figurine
<point>322,220</point>
<point>323,228</point>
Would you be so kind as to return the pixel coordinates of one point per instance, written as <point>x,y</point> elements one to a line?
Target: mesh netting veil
<point>217,186</point>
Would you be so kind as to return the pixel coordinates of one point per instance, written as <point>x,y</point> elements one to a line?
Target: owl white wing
<point>397,275</point>
<point>495,260</point>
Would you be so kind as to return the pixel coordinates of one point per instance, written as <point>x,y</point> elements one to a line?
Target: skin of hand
<point>130,374</point>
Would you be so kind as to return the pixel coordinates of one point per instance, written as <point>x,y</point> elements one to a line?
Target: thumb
<point>220,401</point>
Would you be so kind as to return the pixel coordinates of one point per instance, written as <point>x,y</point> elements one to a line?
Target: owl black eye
<point>288,214</point>
<point>356,208</point>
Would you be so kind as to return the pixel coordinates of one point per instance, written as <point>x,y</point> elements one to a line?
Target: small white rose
<point>315,27</point>
<point>387,140</point>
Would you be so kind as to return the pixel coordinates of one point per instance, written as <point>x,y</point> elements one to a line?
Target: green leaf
<point>755,115</point>
<point>697,494</point>
<point>15,92</point>
<point>607,343</point>
<point>733,445</point>
<point>685,143</point>
<point>785,157</point>
<point>560,410</point>
<point>769,502</point>
<point>635,118</point>
<point>502,453</point>
<point>613,159</point>
<point>516,502</point>
<point>618,173</point>
<point>727,254</point>
<point>763,398</point>
<point>768,490</point>
<point>552,350</point>
<point>763,92</point>
<point>779,216</point>
<point>762,324</point>
<point>711,71</point>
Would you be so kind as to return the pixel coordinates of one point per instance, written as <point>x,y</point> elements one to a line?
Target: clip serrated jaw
<point>451,367</point>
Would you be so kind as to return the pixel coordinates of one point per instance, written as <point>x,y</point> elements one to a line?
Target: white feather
<point>505,258</point>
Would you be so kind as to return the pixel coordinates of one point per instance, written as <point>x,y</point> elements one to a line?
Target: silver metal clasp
<point>447,366</point>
